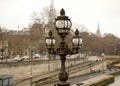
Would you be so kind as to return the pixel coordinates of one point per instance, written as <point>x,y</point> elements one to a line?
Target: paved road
<point>26,81</point>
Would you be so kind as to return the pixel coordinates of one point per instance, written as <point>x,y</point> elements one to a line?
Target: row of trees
<point>19,42</point>
<point>108,44</point>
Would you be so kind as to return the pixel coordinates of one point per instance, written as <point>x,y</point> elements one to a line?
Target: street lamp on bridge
<point>63,25</point>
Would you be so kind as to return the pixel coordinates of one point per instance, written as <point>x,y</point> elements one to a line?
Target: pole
<point>90,67</point>
<point>2,56</point>
<point>68,66</point>
<point>31,73</point>
<point>31,68</point>
<point>63,75</point>
<point>49,62</point>
<point>103,64</point>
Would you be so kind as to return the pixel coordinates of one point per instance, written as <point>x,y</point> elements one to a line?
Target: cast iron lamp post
<point>63,25</point>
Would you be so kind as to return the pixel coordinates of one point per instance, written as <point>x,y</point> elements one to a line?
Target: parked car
<point>11,56</point>
<point>45,57</point>
<point>1,57</point>
<point>36,56</point>
<point>25,57</point>
<point>17,58</point>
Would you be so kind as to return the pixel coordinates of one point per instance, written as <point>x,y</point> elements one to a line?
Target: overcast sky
<point>14,13</point>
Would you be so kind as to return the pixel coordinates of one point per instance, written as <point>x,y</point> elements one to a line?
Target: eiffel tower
<point>51,18</point>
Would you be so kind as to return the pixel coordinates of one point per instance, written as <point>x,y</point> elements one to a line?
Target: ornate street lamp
<point>76,42</point>
<point>50,42</point>
<point>63,25</point>
<point>2,51</point>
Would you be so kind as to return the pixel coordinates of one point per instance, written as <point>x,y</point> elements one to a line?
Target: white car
<point>26,57</point>
<point>17,58</point>
<point>36,56</point>
<point>45,57</point>
<point>1,57</point>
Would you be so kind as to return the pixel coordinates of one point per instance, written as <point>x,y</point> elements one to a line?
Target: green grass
<point>115,73</point>
<point>112,56</point>
<point>115,63</point>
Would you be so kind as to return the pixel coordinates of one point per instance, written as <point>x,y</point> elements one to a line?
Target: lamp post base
<point>61,83</point>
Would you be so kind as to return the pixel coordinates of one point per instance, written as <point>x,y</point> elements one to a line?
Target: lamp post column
<point>63,76</point>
